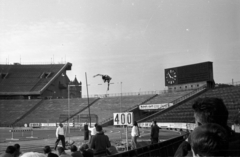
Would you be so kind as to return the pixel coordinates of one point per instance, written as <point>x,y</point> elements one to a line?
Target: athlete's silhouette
<point>105,78</point>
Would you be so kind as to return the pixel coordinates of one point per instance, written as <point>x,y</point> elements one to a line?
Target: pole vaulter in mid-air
<point>105,78</point>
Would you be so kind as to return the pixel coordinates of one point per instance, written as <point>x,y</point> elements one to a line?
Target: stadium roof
<point>20,79</point>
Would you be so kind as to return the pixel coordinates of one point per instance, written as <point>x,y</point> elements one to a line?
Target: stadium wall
<point>184,126</point>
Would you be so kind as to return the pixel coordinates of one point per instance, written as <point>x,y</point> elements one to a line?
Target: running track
<point>47,137</point>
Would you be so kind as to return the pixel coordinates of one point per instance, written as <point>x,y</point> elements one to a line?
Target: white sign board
<point>125,118</point>
<point>154,106</point>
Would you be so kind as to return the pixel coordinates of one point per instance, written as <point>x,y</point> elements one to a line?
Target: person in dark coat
<point>100,143</point>
<point>154,132</point>
<point>86,132</point>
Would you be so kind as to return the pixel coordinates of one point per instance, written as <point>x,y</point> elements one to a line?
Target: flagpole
<point>88,100</point>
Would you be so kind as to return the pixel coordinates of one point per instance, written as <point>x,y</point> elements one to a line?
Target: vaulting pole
<point>68,127</point>
<point>88,100</point>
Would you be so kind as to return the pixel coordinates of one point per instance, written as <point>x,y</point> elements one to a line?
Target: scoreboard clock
<point>171,76</point>
<point>193,73</point>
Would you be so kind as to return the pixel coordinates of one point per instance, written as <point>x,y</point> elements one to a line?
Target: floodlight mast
<point>68,127</point>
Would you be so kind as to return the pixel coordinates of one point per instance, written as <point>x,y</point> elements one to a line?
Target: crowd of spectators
<point>99,145</point>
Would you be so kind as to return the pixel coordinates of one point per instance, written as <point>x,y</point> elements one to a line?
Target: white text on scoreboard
<point>125,118</point>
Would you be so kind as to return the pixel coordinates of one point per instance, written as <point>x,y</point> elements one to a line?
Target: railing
<point>228,84</point>
<point>188,95</point>
<point>134,93</point>
<point>34,63</point>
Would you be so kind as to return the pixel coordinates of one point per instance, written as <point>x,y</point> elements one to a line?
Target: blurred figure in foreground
<point>209,140</point>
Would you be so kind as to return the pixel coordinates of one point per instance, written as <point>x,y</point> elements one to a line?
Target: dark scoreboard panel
<point>189,74</point>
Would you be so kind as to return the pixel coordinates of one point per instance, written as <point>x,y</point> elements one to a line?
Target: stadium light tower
<point>69,107</point>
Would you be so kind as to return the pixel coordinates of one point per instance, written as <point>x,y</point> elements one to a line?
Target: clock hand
<point>169,75</point>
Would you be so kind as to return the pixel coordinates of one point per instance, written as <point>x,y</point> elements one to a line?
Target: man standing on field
<point>60,134</point>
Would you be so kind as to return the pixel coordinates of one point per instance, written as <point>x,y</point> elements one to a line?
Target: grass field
<point>47,137</point>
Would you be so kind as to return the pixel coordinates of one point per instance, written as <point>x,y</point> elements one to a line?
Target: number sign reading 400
<point>125,118</point>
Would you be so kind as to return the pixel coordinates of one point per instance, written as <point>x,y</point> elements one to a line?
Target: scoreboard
<point>189,74</point>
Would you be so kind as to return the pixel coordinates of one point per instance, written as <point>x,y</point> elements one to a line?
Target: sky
<point>132,41</point>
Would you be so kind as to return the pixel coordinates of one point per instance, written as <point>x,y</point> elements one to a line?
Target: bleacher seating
<point>184,112</point>
<point>105,107</point>
<point>167,97</point>
<point>50,110</point>
<point>11,110</point>
<point>152,99</point>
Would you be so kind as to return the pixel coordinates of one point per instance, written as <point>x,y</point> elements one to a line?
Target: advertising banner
<point>154,106</point>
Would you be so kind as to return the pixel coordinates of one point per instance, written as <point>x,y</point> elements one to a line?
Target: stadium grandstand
<point>38,95</point>
<point>44,81</point>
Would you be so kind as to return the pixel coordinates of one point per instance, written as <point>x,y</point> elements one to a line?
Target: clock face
<point>171,76</point>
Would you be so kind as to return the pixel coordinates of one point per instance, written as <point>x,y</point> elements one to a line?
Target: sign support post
<point>124,119</point>
<point>127,137</point>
